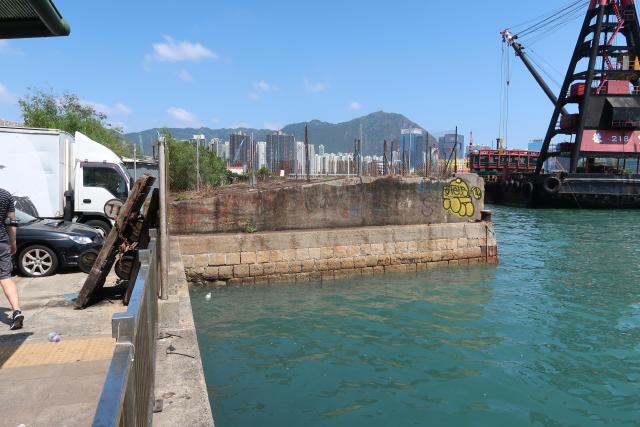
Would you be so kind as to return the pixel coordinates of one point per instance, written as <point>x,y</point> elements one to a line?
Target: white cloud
<point>184,117</point>
<point>259,88</point>
<point>262,86</point>
<point>185,75</point>
<point>100,108</point>
<point>355,106</point>
<point>117,109</point>
<point>172,51</point>
<point>122,108</point>
<point>273,125</point>
<point>240,125</point>
<point>315,87</point>
<point>7,49</point>
<point>215,120</point>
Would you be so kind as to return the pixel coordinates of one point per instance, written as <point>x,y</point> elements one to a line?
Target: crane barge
<point>594,131</point>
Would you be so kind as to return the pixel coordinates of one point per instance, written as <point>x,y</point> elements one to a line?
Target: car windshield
<point>24,218</point>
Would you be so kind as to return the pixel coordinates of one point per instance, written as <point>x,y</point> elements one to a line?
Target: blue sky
<point>270,63</point>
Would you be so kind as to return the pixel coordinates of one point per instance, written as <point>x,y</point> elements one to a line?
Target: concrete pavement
<point>54,384</point>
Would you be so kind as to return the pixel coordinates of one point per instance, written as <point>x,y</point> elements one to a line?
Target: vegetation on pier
<point>46,109</point>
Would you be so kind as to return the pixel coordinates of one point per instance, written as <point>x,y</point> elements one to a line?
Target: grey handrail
<point>127,395</point>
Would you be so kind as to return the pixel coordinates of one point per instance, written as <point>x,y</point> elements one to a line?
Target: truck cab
<point>100,176</point>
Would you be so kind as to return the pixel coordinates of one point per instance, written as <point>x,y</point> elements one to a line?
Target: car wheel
<point>102,227</point>
<point>37,261</point>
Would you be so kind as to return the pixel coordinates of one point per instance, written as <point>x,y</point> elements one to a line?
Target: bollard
<point>485,215</point>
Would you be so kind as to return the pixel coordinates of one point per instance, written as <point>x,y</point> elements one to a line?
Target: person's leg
<point>9,287</point>
<point>11,292</point>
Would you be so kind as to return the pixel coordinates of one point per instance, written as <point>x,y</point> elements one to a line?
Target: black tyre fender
<point>23,262</point>
<point>527,190</point>
<point>551,184</point>
<point>100,225</point>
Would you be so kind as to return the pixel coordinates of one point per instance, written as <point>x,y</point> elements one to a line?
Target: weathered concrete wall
<point>340,203</point>
<point>327,254</point>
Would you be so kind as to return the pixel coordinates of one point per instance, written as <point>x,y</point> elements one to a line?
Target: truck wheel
<point>37,261</point>
<point>102,227</point>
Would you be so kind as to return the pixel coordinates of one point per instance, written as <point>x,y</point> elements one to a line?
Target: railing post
<point>164,240</point>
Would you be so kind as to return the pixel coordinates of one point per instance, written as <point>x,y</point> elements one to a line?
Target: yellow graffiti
<point>477,193</point>
<point>455,198</point>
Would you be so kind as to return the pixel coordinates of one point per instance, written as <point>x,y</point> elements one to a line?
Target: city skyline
<point>172,67</point>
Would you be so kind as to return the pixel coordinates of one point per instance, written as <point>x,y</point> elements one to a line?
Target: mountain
<point>336,137</point>
<point>339,137</point>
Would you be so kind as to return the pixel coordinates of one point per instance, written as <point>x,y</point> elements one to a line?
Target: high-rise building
<point>413,144</point>
<point>321,150</point>
<point>300,166</point>
<point>447,143</point>
<point>240,149</point>
<point>216,146</point>
<point>224,150</point>
<point>261,154</point>
<point>281,152</point>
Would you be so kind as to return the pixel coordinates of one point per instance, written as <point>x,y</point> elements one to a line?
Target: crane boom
<point>508,38</point>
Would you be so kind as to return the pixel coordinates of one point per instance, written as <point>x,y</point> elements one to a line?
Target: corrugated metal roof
<point>31,18</point>
<point>17,10</point>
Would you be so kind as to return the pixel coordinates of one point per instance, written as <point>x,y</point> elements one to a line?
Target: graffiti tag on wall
<point>458,199</point>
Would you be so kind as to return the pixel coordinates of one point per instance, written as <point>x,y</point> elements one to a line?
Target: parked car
<point>44,245</point>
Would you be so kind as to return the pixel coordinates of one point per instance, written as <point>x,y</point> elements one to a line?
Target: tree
<point>67,112</point>
<point>182,162</point>
<point>263,173</point>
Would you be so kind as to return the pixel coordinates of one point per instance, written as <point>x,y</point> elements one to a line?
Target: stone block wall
<point>301,256</point>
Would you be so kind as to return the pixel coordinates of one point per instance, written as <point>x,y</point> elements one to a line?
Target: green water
<point>548,338</point>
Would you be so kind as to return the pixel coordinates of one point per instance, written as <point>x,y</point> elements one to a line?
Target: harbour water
<point>550,337</point>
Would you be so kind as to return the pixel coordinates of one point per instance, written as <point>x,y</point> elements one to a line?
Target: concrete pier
<point>179,376</point>
<point>48,383</point>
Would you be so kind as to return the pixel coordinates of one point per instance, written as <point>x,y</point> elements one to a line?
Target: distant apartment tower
<point>261,154</point>
<point>413,144</point>
<point>447,143</point>
<point>321,150</point>
<point>240,149</point>
<point>281,152</point>
<point>300,166</point>
<point>217,147</point>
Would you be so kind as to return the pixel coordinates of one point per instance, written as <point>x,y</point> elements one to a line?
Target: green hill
<point>336,137</point>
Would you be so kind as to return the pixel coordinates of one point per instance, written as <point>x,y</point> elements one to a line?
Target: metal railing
<point>128,394</point>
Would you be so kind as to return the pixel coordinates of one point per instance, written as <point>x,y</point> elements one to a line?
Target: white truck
<point>55,175</point>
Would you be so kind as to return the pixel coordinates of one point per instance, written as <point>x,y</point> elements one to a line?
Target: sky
<point>265,64</point>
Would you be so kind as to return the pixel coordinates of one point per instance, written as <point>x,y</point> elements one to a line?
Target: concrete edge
<point>179,379</point>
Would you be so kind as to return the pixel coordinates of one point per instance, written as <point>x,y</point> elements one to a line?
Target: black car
<point>46,245</point>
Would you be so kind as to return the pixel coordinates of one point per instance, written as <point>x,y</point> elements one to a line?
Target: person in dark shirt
<point>7,250</point>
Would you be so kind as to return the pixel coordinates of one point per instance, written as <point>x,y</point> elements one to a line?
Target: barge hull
<point>583,191</point>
